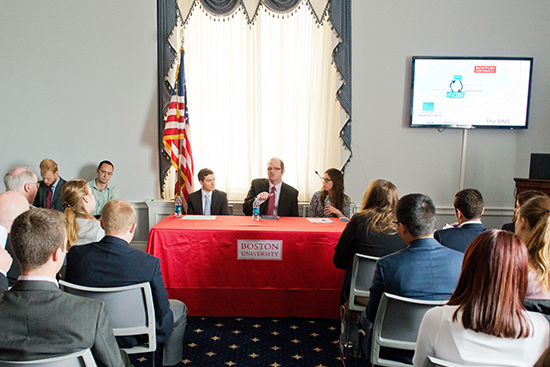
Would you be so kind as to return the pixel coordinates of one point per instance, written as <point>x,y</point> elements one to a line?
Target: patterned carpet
<point>251,342</point>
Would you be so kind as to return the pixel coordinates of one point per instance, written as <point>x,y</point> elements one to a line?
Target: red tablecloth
<point>200,266</point>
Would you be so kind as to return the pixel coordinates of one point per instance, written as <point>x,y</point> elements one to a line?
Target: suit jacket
<point>4,282</point>
<point>288,199</point>
<point>424,270</point>
<point>15,269</point>
<point>40,321</point>
<point>57,200</point>
<point>459,238</point>
<point>218,204</point>
<point>111,262</point>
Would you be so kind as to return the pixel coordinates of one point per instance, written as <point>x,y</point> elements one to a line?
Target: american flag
<point>176,136</point>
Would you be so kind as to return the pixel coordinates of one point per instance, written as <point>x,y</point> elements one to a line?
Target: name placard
<point>260,250</point>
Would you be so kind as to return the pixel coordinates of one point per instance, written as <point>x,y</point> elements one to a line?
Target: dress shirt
<point>470,222</point>
<point>38,278</point>
<point>203,195</point>
<point>277,194</point>
<point>110,192</point>
<point>3,236</point>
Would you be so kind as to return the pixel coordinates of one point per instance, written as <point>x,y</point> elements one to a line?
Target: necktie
<point>49,197</point>
<point>271,202</point>
<point>207,204</point>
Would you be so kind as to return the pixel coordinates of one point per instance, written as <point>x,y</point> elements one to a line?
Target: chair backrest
<point>130,308</point>
<point>82,358</point>
<point>362,272</point>
<point>436,362</point>
<point>396,325</point>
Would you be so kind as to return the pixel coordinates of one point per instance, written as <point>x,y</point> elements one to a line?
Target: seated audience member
<point>331,201</point>
<point>276,197</point>
<point>102,190</point>
<point>484,323</point>
<point>369,232</point>
<point>38,319</point>
<point>424,270</point>
<point>49,191</point>
<point>82,227</point>
<point>24,180</point>
<point>533,227</point>
<point>208,200</point>
<point>12,203</point>
<point>468,206</point>
<point>521,198</point>
<point>111,262</point>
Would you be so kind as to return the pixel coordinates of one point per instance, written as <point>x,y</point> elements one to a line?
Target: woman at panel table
<point>82,227</point>
<point>331,201</point>
<point>533,227</point>
<point>369,232</point>
<point>484,323</point>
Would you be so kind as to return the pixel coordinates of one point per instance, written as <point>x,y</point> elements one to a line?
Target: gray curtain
<point>168,13</point>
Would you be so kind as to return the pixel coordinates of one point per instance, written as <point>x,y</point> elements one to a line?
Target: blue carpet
<point>251,342</point>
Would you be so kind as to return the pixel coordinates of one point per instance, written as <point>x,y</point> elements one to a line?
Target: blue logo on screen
<point>427,106</point>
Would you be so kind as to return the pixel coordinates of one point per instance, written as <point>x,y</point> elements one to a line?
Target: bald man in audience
<point>38,319</point>
<point>49,189</point>
<point>12,203</point>
<point>111,262</point>
<point>23,180</point>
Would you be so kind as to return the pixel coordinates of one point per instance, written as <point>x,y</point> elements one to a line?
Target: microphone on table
<point>318,175</point>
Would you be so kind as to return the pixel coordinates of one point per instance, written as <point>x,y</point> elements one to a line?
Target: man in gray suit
<point>38,319</point>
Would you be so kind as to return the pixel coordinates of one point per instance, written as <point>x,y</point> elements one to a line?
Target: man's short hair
<point>117,216</point>
<point>48,165</point>
<point>105,162</point>
<point>16,179</point>
<point>523,196</point>
<point>35,235</point>
<point>470,203</point>
<point>417,213</point>
<point>204,172</point>
<point>280,161</point>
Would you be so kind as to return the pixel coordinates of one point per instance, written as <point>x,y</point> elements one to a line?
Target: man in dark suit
<point>424,270</point>
<point>111,262</point>
<point>49,192</point>
<point>12,203</point>
<point>468,206</point>
<point>276,197</point>
<point>38,319</point>
<point>208,200</point>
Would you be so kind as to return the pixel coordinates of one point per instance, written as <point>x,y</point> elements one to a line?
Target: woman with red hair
<point>484,323</point>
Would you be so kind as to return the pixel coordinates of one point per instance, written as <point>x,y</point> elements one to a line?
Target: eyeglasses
<point>274,168</point>
<point>327,180</point>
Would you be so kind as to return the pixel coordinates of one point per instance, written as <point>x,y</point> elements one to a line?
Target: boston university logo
<point>260,250</point>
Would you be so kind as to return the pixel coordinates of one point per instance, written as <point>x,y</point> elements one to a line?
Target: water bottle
<point>256,209</point>
<point>178,207</point>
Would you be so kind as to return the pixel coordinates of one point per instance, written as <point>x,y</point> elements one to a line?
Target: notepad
<point>199,217</point>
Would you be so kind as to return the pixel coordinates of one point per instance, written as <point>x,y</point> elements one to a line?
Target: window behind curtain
<point>260,91</point>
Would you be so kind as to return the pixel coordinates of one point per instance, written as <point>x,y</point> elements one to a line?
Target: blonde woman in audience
<point>533,227</point>
<point>82,227</point>
<point>484,323</point>
<point>331,201</point>
<point>369,232</point>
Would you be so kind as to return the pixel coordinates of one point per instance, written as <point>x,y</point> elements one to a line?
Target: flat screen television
<point>466,92</point>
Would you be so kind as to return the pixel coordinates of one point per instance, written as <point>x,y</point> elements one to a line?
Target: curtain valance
<point>222,8</point>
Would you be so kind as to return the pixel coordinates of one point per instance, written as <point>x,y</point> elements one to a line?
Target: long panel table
<point>235,266</point>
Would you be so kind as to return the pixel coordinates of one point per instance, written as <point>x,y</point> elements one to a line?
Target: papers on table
<point>199,217</point>
<point>320,220</point>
